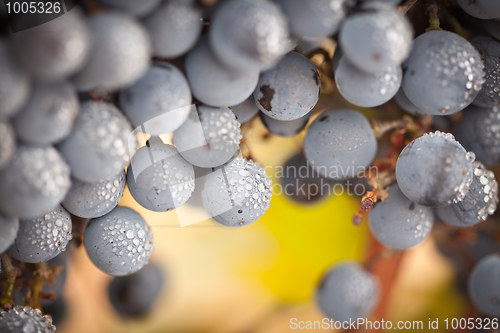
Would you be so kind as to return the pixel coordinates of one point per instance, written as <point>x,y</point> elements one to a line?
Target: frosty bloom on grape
<point>207,151</point>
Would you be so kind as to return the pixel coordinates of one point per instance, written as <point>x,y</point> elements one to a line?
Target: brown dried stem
<point>12,273</point>
<point>406,6</point>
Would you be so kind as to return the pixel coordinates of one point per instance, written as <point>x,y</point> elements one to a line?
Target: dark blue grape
<point>399,223</point>
<point>347,292</point>
<point>8,142</point>
<point>159,178</point>
<point>289,90</point>
<point>434,170</point>
<point>49,114</point>
<point>159,101</point>
<point>120,242</point>
<point>43,238</point>
<point>56,49</point>
<point>489,49</point>
<point>91,200</point>
<point>484,289</point>
<point>443,73</point>
<point>135,295</point>
<point>174,28</point>
<point>479,202</point>
<point>22,319</point>
<point>339,144</point>
<point>98,147</point>
<point>35,182</point>
<point>302,183</point>
<point>238,193</point>
<point>314,19</point>
<point>249,34</point>
<point>8,231</point>
<point>479,131</point>
<point>284,127</point>
<point>215,84</point>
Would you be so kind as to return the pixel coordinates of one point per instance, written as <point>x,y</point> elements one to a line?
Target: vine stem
<point>38,283</point>
<point>406,6</point>
<point>12,273</point>
<point>432,9</point>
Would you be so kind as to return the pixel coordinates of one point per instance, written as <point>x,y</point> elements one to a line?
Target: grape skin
<point>492,27</point>
<point>15,85</point>
<point>434,170</point>
<point>340,143</point>
<point>56,49</point>
<point>245,111</point>
<point>478,131</point>
<point>484,289</point>
<point>407,105</point>
<point>35,182</point>
<point>376,38</point>
<point>443,73</point>
<point>209,137</point>
<point>290,90</point>
<point>174,28</point>
<point>8,231</point>
<point>482,9</point>
<point>347,292</point>
<point>25,319</point>
<point>133,296</point>
<point>489,49</point>
<point>237,194</point>
<point>285,128</point>
<point>108,238</point>
<point>213,83</point>
<point>337,55</point>
<point>479,202</point>
<point>313,18</point>
<point>56,310</point>
<point>163,185</point>
<point>97,148</point>
<point>376,88</point>
<point>249,34</point>
<point>305,188</point>
<point>91,200</point>
<point>49,115</point>
<point>133,7</point>
<point>43,238</point>
<point>120,54</point>
<point>161,96</point>
<point>398,223</point>
<point>7,143</point>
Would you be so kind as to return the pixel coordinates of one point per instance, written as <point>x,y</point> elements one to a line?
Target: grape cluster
<point>89,100</point>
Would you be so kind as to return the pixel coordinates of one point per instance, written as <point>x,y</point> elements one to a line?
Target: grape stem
<point>379,182</point>
<point>406,6</point>
<point>79,225</point>
<point>432,10</point>
<point>457,27</point>
<point>41,275</point>
<point>12,273</point>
